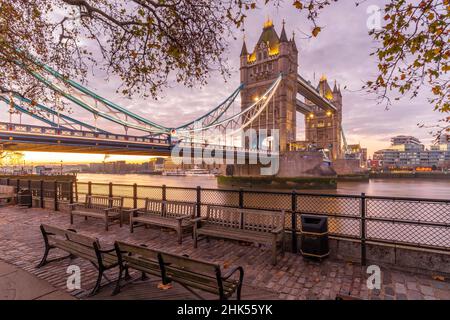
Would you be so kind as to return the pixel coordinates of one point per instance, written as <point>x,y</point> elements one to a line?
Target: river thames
<point>415,188</point>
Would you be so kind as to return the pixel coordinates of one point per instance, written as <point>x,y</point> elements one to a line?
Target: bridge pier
<point>297,170</point>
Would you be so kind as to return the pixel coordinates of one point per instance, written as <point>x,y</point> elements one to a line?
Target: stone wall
<point>430,262</point>
<point>348,167</point>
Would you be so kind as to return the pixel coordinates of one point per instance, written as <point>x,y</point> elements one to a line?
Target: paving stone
<point>426,290</point>
<point>400,288</point>
<point>21,245</point>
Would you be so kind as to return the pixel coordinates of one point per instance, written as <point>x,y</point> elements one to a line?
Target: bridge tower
<point>271,56</point>
<point>323,128</point>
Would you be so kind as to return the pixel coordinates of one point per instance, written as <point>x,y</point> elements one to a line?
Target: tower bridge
<point>322,107</point>
<point>271,93</point>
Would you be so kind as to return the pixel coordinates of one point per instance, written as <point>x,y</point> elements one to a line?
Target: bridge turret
<point>271,56</point>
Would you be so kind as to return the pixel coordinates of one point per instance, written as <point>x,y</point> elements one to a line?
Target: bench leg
<point>274,253</point>
<point>71,217</point>
<point>195,239</point>
<point>131,226</point>
<point>97,284</point>
<point>85,218</point>
<point>106,224</point>
<point>127,274</point>
<point>117,288</point>
<point>44,258</point>
<point>180,236</point>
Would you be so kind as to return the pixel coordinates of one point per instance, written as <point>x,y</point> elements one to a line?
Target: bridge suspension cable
<point>228,127</point>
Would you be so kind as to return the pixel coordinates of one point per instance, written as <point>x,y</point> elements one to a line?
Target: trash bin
<point>24,198</point>
<point>314,236</point>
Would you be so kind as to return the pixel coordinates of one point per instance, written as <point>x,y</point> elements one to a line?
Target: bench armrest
<point>107,251</point>
<point>183,217</point>
<point>75,204</point>
<point>130,210</point>
<point>233,271</point>
<point>198,219</point>
<point>278,230</point>
<point>112,208</point>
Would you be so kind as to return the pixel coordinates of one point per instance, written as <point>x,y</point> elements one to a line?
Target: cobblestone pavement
<point>293,278</point>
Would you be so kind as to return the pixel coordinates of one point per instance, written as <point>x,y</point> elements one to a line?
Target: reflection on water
<point>414,188</point>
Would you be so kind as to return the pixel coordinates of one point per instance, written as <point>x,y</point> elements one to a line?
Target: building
<point>407,152</point>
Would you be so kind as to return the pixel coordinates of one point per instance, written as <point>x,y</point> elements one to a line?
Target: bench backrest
<point>246,219</point>
<point>72,236</point>
<point>128,249</point>
<point>98,202</point>
<point>169,209</point>
<point>153,206</point>
<point>224,217</point>
<point>174,263</point>
<point>174,209</point>
<point>7,190</point>
<point>262,221</point>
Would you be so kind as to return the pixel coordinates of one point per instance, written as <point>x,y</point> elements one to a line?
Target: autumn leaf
<point>163,286</point>
<point>298,5</point>
<point>316,31</point>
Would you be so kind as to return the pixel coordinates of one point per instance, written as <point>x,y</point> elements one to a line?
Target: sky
<point>341,52</point>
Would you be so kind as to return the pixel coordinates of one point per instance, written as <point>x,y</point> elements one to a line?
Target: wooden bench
<point>190,273</point>
<point>78,245</point>
<point>202,275</point>
<point>106,208</point>
<point>135,257</point>
<point>263,227</point>
<point>168,214</point>
<point>7,195</point>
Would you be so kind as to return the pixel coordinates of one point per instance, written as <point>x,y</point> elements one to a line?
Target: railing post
<point>31,192</point>
<point>71,192</point>
<point>135,196</point>
<point>76,191</point>
<point>199,201</point>
<point>241,198</point>
<point>294,220</point>
<point>89,192</point>
<point>363,229</point>
<point>55,189</point>
<point>164,192</point>
<point>18,189</point>
<point>41,193</point>
<point>110,190</point>
<point>7,181</point>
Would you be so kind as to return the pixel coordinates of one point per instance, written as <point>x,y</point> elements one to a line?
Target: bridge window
<point>259,56</point>
<point>265,55</point>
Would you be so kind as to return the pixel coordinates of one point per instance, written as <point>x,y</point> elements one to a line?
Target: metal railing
<point>407,222</point>
<point>71,133</point>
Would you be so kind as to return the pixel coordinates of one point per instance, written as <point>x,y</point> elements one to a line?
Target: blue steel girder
<point>62,115</point>
<point>29,113</point>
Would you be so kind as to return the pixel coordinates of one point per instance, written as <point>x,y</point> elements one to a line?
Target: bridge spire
<point>244,51</point>
<point>283,37</point>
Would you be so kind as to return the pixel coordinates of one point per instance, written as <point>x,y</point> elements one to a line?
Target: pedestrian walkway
<point>17,284</point>
<point>292,278</point>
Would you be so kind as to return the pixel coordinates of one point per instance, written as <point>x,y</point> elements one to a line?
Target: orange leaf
<point>439,278</point>
<point>316,31</point>
<point>163,286</point>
